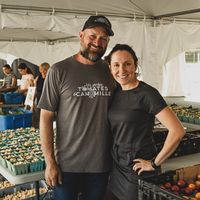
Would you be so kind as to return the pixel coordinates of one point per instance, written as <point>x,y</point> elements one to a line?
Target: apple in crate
<point>188,191</point>
<point>181,183</point>
<point>192,186</point>
<point>167,185</point>
<point>175,188</point>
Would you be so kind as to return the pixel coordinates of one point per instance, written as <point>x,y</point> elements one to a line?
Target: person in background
<point>79,89</point>
<point>39,80</point>
<point>9,83</point>
<point>131,115</point>
<point>27,78</point>
<point>9,80</point>
<point>38,83</point>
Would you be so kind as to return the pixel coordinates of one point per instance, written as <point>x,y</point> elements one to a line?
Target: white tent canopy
<point>48,30</point>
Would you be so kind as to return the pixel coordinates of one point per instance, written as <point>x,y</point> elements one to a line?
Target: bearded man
<point>79,89</point>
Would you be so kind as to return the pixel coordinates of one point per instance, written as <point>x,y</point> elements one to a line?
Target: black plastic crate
<point>149,191</point>
<point>152,188</point>
<point>48,195</point>
<point>149,188</point>
<point>189,144</point>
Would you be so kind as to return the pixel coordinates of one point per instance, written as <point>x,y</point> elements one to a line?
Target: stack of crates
<point>13,98</point>
<point>24,191</point>
<point>12,116</point>
<point>189,144</point>
<point>15,118</point>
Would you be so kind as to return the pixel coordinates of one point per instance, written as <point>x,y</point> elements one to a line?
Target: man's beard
<point>92,55</point>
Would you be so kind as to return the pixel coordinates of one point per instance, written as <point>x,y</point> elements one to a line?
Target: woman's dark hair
<point>24,66</point>
<point>121,47</point>
<point>7,66</point>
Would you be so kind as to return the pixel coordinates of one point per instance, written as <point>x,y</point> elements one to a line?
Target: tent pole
<point>6,8</point>
<point>177,13</point>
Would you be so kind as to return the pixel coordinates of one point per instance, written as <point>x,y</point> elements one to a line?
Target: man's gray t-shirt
<point>80,94</point>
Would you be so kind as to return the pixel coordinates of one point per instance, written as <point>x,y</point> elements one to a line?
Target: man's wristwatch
<point>153,164</point>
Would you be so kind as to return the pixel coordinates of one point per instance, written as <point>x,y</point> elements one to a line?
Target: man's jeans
<point>83,186</point>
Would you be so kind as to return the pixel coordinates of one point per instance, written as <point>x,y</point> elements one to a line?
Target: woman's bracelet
<point>153,164</point>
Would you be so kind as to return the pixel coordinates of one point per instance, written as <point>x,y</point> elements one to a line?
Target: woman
<point>132,113</point>
<point>27,79</point>
<point>9,80</point>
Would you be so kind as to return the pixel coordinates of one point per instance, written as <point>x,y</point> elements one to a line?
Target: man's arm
<point>52,173</point>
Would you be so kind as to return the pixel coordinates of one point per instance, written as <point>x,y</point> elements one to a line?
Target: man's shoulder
<point>62,62</point>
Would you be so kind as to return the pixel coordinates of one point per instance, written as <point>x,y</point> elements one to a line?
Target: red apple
<point>188,191</point>
<point>175,188</point>
<point>181,183</point>
<point>167,185</point>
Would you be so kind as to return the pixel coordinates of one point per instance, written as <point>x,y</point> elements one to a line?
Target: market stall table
<point>11,105</point>
<point>180,162</point>
<point>23,178</point>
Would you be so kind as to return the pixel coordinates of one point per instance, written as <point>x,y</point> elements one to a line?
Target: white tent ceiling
<point>180,9</point>
<point>47,30</point>
<point>113,7</point>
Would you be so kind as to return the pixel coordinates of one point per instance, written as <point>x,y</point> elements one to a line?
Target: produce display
<point>24,191</point>
<point>20,150</point>
<point>11,111</point>
<point>177,184</point>
<point>187,114</point>
<point>5,184</point>
<point>23,194</point>
<point>187,189</point>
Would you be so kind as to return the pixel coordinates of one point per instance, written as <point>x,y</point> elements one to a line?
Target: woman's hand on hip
<point>140,165</point>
